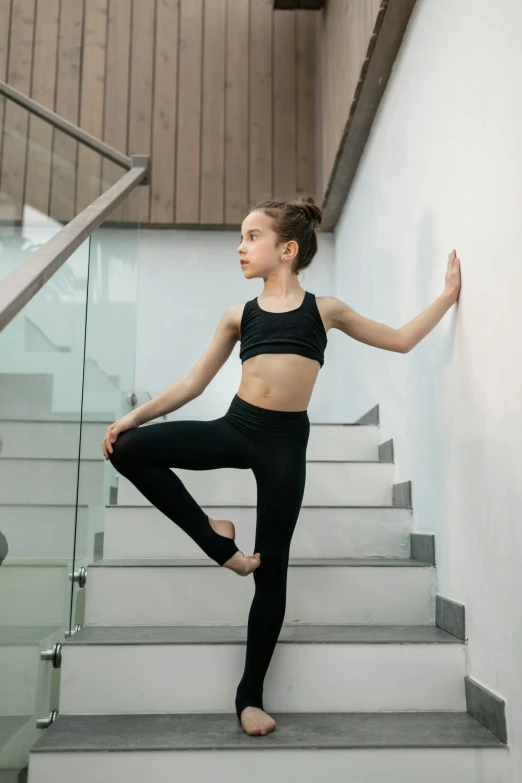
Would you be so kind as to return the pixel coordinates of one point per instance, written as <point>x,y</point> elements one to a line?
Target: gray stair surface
<point>230,634</point>
<point>172,562</point>
<point>198,731</point>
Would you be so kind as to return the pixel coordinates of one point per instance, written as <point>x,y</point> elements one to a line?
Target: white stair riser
<point>192,595</point>
<point>365,765</point>
<point>19,683</point>
<point>109,679</point>
<point>327,484</point>
<point>49,531</point>
<point>60,439</point>
<point>133,531</point>
<point>27,687</point>
<point>51,439</point>
<point>27,481</point>
<point>338,441</point>
<point>38,595</point>
<point>16,751</point>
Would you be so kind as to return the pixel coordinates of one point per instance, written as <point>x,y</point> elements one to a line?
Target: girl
<point>283,336</point>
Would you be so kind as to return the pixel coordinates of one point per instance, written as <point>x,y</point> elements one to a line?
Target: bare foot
<point>256,721</point>
<point>239,563</point>
<point>243,564</point>
<point>224,527</point>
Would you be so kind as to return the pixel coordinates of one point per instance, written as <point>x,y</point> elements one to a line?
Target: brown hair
<point>296,220</point>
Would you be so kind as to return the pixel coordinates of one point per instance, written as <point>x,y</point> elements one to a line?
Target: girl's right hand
<point>127,422</point>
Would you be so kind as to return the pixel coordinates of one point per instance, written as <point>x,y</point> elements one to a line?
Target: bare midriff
<point>280,381</point>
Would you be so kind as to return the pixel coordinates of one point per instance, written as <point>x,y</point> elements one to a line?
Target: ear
<point>290,251</point>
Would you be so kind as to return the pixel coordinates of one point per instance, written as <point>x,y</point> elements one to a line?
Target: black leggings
<point>273,445</point>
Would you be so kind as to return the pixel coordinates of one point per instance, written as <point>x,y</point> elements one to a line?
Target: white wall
<point>443,169</point>
<point>187,279</point>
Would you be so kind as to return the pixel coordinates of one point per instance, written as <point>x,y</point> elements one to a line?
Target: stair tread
<point>10,725</point>
<point>149,506</point>
<point>222,731</point>
<point>237,634</point>
<point>170,562</point>
<point>25,634</point>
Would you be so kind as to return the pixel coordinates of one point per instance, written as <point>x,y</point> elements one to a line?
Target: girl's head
<point>279,234</point>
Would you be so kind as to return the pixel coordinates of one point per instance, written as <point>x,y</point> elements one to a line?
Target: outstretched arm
<point>187,388</point>
<point>401,340</point>
<point>198,378</point>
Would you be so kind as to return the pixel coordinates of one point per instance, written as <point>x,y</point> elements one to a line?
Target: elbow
<point>194,389</point>
<point>402,345</point>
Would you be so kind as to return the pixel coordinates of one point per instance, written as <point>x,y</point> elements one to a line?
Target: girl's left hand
<point>453,281</point>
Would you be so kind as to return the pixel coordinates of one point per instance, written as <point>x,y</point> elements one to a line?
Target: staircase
<point>363,685</point>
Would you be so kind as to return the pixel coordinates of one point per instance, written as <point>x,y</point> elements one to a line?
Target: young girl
<point>266,428</point>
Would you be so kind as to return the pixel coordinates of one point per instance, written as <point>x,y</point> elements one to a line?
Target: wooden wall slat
<point>347,28</point>
<point>88,182</point>
<point>305,131</point>
<point>218,92</point>
<point>141,89</point>
<point>65,149</point>
<point>188,158</point>
<point>12,175</point>
<point>164,112</point>
<point>212,207</point>
<point>5,26</point>
<point>237,106</point>
<point>284,105</point>
<point>116,93</point>
<point>39,153</point>
<point>261,109</point>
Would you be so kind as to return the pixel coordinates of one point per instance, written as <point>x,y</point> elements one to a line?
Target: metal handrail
<point>64,125</point>
<point>27,279</point>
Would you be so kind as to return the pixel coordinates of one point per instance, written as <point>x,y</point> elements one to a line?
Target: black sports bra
<point>299,331</point>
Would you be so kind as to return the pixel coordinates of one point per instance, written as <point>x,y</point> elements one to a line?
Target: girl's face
<point>259,246</point>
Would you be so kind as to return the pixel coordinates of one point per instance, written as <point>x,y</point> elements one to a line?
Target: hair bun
<point>312,210</point>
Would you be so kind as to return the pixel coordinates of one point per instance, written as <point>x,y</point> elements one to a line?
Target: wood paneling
<point>12,174</point>
<point>164,112</point>
<point>67,104</point>
<point>219,93</point>
<point>40,146</point>
<point>347,26</point>
<point>359,44</point>
<point>88,182</point>
<point>261,102</point>
<point>188,136</point>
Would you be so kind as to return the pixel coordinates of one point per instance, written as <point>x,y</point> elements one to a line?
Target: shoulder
<point>329,308</point>
<point>233,316</point>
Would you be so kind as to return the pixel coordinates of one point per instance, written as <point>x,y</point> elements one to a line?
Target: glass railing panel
<point>109,379</point>
<point>41,385</point>
<point>46,179</point>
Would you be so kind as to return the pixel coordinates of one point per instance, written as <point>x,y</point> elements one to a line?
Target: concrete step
<point>343,442</point>
<point>18,734</point>
<point>39,592</point>
<point>25,685</point>
<point>53,481</point>
<point>44,532</point>
<point>373,591</point>
<point>51,439</point>
<point>315,668</point>
<point>59,438</point>
<point>396,747</point>
<point>330,483</point>
<point>143,531</point>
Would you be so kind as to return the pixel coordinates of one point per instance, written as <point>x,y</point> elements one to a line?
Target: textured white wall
<point>187,279</point>
<point>443,169</point>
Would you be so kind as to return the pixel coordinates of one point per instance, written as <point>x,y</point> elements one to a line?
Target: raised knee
<point>121,449</point>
